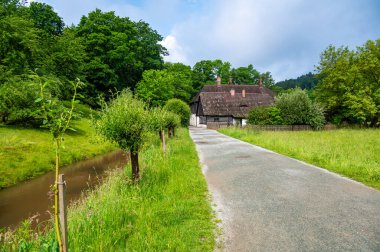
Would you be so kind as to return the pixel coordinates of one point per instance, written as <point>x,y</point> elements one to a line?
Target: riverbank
<point>168,210</point>
<point>353,153</point>
<point>28,153</point>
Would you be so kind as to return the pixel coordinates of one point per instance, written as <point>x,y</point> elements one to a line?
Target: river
<point>34,198</point>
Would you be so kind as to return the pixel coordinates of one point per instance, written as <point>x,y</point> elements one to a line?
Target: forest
<point>106,52</point>
<point>109,53</point>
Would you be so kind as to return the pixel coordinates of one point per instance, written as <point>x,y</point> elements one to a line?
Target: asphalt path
<point>269,202</point>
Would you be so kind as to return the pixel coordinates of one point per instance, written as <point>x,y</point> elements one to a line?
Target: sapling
<point>56,118</point>
<point>172,121</point>
<point>157,123</point>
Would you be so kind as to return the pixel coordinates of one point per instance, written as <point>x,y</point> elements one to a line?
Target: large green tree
<point>206,71</point>
<point>158,86</point>
<point>245,75</point>
<point>19,46</point>
<point>45,18</point>
<point>349,86</point>
<point>118,50</point>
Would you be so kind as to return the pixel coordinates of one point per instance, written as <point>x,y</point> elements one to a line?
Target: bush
<point>297,108</point>
<point>181,109</point>
<point>294,106</point>
<point>17,104</point>
<point>265,116</point>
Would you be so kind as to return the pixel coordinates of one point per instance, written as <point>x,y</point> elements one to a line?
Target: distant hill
<point>307,81</point>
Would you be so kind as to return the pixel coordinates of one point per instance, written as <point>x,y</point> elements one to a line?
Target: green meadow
<point>353,153</point>
<point>26,153</point>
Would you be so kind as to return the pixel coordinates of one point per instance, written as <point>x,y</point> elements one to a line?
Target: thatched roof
<point>221,101</point>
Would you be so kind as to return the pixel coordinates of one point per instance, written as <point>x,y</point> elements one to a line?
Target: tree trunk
<point>173,131</point>
<point>162,134</point>
<point>169,133</point>
<point>135,165</point>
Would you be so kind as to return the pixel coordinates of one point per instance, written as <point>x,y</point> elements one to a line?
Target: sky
<point>284,37</point>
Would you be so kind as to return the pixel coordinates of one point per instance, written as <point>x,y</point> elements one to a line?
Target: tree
<point>67,57</point>
<point>307,81</point>
<point>57,119</point>
<point>124,122</point>
<point>158,86</point>
<point>118,50</point>
<point>157,123</point>
<point>245,75</point>
<point>349,85</point>
<point>182,83</point>
<point>206,71</point>
<point>45,18</point>
<point>297,108</point>
<point>181,109</point>
<point>19,46</point>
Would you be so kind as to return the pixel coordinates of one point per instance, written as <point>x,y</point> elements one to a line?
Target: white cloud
<point>283,37</point>
<point>176,52</point>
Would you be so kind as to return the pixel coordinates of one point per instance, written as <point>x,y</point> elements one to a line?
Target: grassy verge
<point>27,153</point>
<point>353,153</point>
<point>168,210</point>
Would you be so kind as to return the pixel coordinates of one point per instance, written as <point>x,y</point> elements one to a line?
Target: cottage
<point>227,104</point>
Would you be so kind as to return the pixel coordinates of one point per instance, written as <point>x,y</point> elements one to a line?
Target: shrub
<point>297,108</point>
<point>265,116</point>
<point>17,102</point>
<point>181,109</point>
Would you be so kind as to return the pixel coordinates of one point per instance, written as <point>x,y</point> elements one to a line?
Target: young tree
<point>57,119</point>
<point>181,109</point>
<point>124,122</point>
<point>172,121</point>
<point>157,123</point>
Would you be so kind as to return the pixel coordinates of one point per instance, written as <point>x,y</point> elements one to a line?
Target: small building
<point>227,104</point>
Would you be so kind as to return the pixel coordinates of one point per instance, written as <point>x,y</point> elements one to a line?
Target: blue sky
<point>284,37</point>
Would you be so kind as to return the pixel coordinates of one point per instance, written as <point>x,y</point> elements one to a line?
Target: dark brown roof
<point>218,100</point>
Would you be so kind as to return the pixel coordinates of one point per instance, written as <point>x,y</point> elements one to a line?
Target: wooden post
<point>62,211</point>
<point>135,165</point>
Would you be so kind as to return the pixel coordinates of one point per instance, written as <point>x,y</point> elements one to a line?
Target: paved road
<point>269,202</point>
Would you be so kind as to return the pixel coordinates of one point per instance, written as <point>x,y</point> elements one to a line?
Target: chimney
<point>218,81</point>
<point>260,83</point>
<point>232,91</point>
<point>243,93</point>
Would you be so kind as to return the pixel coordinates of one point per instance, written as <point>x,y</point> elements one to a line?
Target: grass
<point>354,153</point>
<point>28,153</point>
<point>168,210</point>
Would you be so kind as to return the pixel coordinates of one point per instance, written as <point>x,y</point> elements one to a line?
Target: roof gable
<point>219,100</point>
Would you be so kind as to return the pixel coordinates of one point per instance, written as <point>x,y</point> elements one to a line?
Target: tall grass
<point>354,153</point>
<point>27,153</point>
<point>168,210</point>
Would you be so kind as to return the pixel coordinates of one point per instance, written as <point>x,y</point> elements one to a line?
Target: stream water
<point>34,198</point>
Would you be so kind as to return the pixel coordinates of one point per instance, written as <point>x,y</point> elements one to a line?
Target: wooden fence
<point>216,125</point>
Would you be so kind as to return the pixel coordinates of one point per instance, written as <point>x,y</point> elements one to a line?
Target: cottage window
<point>216,119</point>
